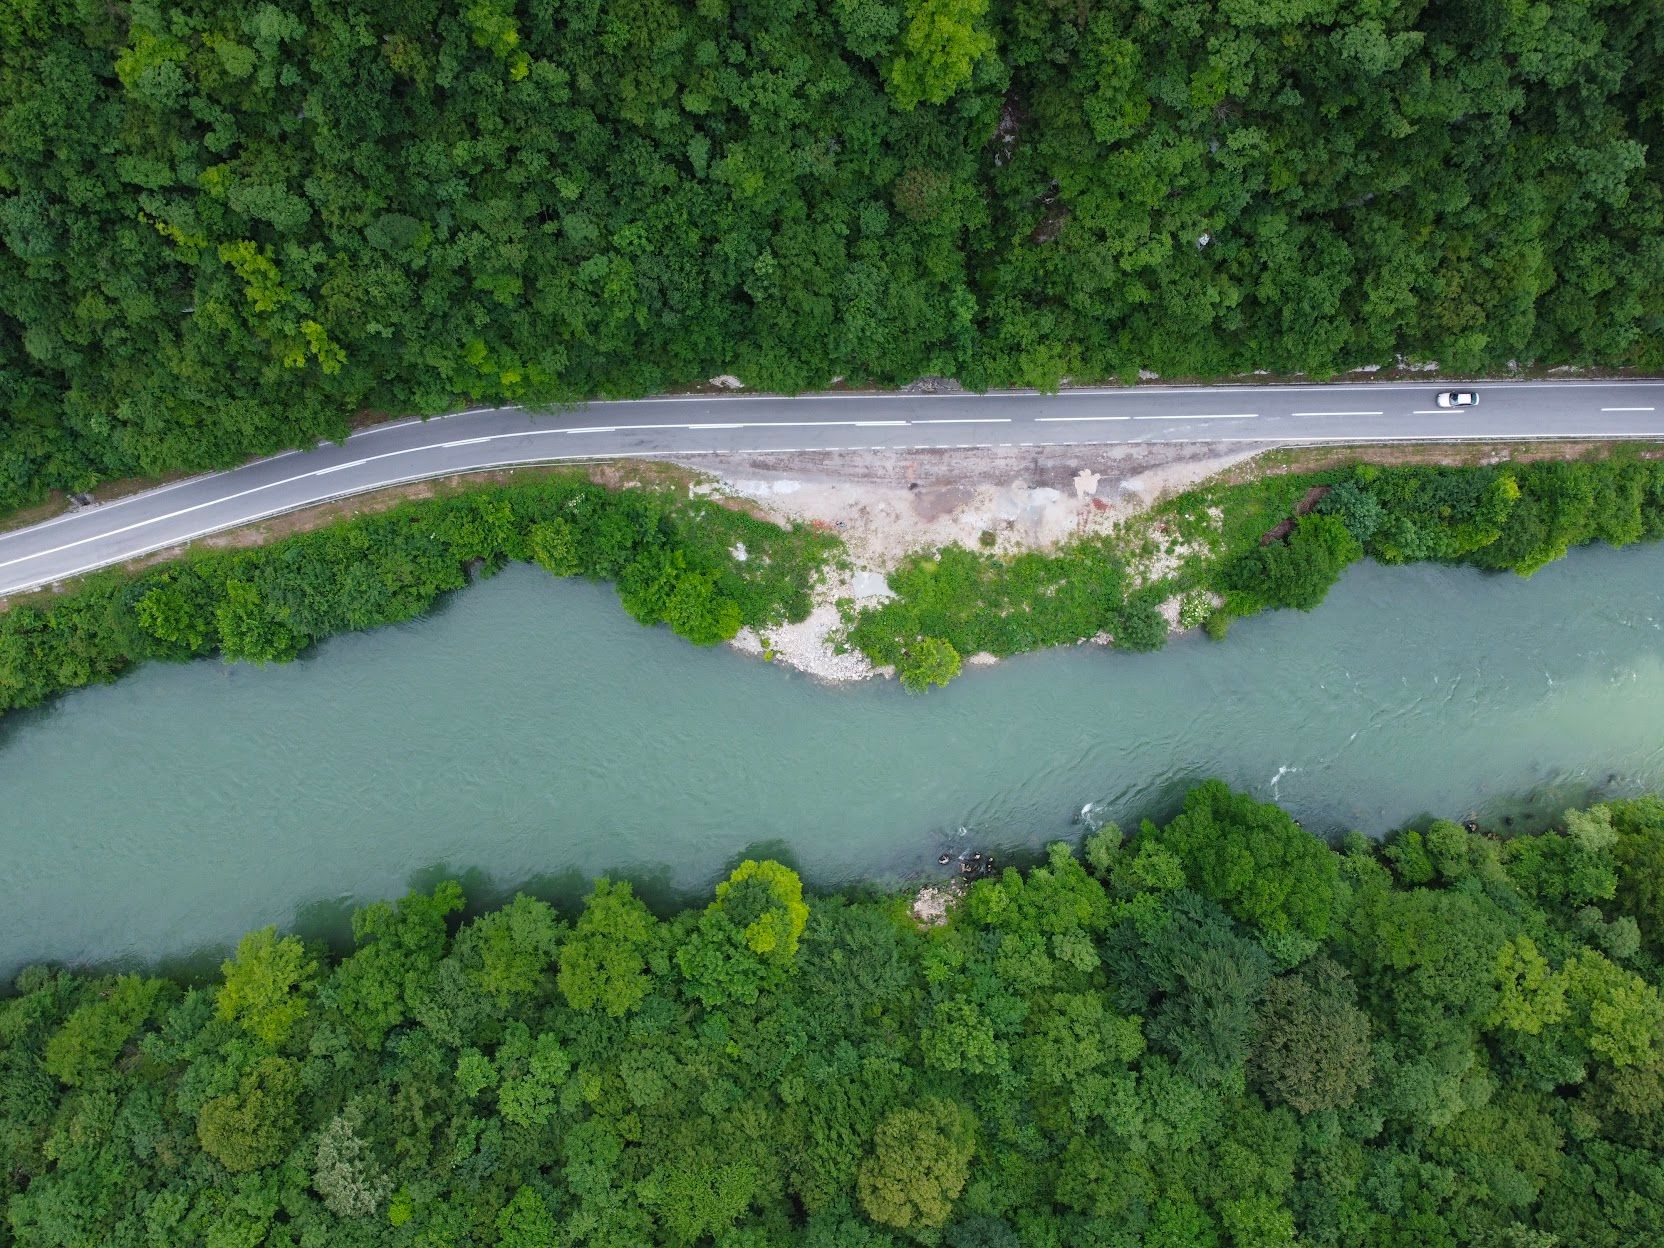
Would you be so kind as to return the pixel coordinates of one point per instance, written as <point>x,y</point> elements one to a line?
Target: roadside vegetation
<point>1202,559</point>
<point>703,569</point>
<point>1217,1033</point>
<point>1221,552</point>
<point>227,227</point>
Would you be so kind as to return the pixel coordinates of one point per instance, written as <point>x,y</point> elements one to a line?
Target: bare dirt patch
<point>887,505</point>
<point>934,902</point>
<point>1313,497</point>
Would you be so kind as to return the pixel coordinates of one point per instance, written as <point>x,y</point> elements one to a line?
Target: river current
<point>529,734</point>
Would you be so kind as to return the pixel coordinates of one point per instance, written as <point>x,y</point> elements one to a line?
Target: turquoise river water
<point>530,734</point>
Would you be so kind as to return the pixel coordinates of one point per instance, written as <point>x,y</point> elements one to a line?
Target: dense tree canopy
<point>226,227</point>
<point>1465,1046</point>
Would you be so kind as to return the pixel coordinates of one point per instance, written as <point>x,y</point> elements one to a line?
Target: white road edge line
<point>401,424</point>
<point>1143,388</point>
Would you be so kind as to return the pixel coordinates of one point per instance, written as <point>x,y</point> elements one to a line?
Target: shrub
<point>1139,626</point>
<point>928,661</point>
<point>1354,507</point>
<point>1299,573</point>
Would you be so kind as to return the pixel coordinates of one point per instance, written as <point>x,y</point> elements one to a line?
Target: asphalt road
<point>413,450</point>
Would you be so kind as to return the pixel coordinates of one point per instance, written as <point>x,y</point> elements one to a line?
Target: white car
<point>1458,398</point>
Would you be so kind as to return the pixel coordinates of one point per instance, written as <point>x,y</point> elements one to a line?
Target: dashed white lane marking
<point>1048,420</point>
<point>1338,413</point>
<point>753,424</point>
<point>1227,416</point>
<point>1628,409</point>
<point>1431,411</point>
<point>966,420</point>
<point>357,463</point>
<point>463,442</point>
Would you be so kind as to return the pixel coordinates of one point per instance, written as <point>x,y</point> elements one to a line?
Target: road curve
<point>414,450</point>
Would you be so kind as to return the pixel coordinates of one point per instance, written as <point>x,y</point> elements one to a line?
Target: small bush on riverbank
<point>928,661</point>
<point>1296,573</point>
<point>1220,1031</point>
<point>672,560</point>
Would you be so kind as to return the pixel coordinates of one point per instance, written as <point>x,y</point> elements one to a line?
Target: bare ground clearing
<point>887,505</point>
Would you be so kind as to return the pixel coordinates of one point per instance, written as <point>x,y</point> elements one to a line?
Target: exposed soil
<point>887,505</point>
<point>933,902</point>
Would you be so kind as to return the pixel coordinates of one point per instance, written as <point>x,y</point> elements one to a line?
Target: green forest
<point>229,227</point>
<point>1218,1032</point>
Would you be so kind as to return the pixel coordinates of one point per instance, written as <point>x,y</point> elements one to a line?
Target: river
<point>529,733</point>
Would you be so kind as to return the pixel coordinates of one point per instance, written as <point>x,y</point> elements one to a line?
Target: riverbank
<point>703,568</point>
<point>847,575</point>
<point>766,1065</point>
<point>966,558</point>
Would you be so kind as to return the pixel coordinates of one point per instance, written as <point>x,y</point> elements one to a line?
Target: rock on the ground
<point>810,644</point>
<point>865,585</point>
<point>930,908</point>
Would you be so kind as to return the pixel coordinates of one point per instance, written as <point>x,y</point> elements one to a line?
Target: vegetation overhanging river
<point>529,733</point>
